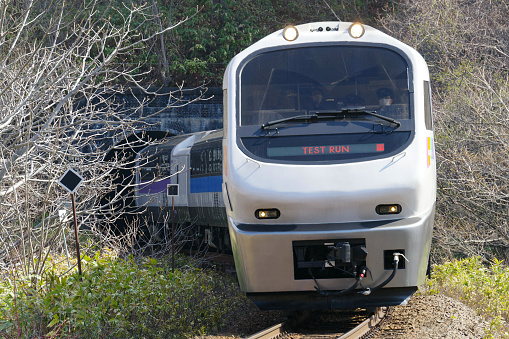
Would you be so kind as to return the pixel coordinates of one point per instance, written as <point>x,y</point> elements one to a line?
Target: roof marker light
<point>356,30</point>
<point>290,33</point>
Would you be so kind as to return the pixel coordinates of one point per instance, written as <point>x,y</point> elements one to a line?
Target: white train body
<point>183,174</point>
<point>295,189</point>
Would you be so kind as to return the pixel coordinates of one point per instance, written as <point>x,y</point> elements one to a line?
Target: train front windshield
<point>292,84</point>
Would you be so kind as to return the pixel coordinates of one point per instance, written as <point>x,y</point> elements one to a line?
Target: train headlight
<point>290,33</point>
<point>388,209</point>
<point>270,213</point>
<point>356,30</point>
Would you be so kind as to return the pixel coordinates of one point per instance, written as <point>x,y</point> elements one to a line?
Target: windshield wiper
<point>331,115</point>
<point>296,118</point>
<point>355,112</point>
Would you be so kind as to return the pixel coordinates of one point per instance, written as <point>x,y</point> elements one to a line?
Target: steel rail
<point>368,325</point>
<point>363,330</point>
<point>270,333</point>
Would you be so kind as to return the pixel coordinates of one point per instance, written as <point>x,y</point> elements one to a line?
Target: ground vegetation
<point>465,45</point>
<point>117,297</point>
<point>61,63</point>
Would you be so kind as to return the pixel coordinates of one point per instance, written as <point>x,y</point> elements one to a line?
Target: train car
<point>329,177</point>
<point>206,205</point>
<point>155,180</point>
<point>183,176</point>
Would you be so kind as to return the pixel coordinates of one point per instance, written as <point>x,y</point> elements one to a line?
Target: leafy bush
<point>205,44</point>
<point>200,49</point>
<point>116,298</point>
<point>484,288</point>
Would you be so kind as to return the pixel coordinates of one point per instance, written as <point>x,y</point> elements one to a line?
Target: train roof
<point>212,135</point>
<point>320,33</point>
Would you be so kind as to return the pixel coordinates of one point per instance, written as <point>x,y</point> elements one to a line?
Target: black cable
<point>395,263</point>
<point>348,290</point>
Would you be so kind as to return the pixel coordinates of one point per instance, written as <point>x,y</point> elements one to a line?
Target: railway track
<point>342,325</point>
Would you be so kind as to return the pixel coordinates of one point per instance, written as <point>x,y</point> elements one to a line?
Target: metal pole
<point>65,246</point>
<point>76,233</point>
<point>172,233</point>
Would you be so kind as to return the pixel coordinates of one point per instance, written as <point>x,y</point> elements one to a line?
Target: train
<point>322,182</point>
<point>181,177</point>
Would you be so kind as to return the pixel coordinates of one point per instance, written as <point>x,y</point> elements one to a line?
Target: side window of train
<point>164,164</point>
<point>427,106</point>
<point>207,159</point>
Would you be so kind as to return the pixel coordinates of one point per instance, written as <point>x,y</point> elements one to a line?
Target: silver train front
<point>315,195</point>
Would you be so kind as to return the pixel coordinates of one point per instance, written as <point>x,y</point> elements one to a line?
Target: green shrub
<point>116,299</point>
<point>483,288</point>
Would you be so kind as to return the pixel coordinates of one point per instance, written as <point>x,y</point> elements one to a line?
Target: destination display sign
<point>324,150</point>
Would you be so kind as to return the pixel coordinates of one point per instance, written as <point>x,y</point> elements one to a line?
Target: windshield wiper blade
<point>304,118</point>
<point>331,115</point>
<point>354,112</point>
<point>296,118</point>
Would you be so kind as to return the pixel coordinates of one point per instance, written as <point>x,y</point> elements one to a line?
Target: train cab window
<point>156,166</point>
<point>225,111</point>
<point>155,161</point>
<point>340,86</point>
<point>283,83</point>
<point>427,106</point>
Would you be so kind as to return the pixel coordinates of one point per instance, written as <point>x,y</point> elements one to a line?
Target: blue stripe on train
<point>207,184</point>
